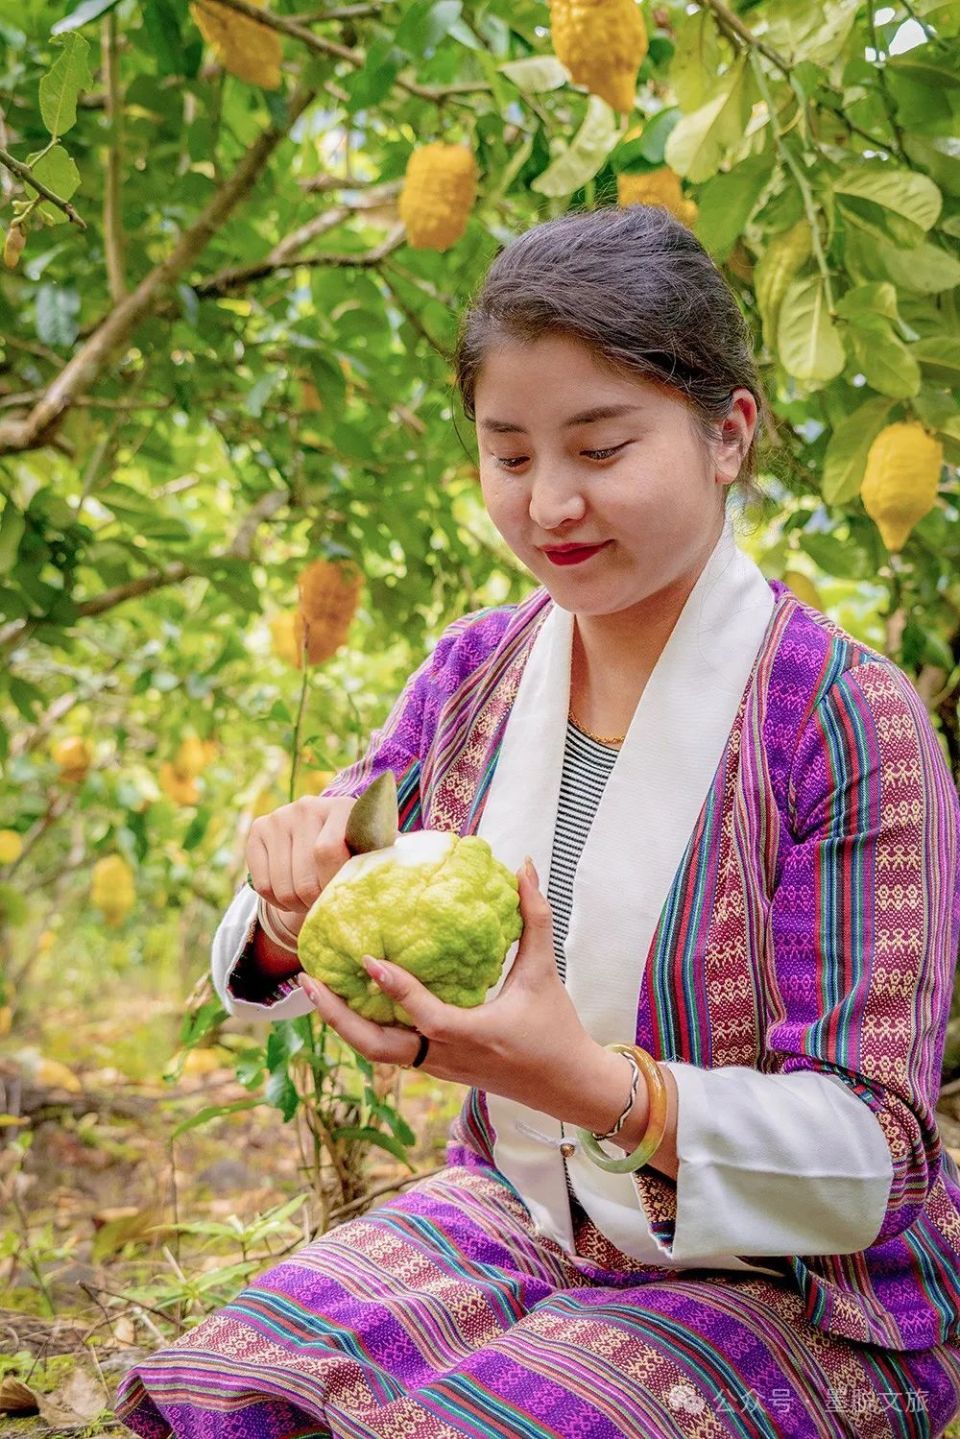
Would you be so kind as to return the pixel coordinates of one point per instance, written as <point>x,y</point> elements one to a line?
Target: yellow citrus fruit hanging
<point>900,479</point>
<point>182,789</point>
<point>439,188</point>
<point>112,888</point>
<point>329,596</point>
<point>74,757</point>
<point>283,629</point>
<point>657,187</point>
<point>803,588</point>
<point>603,44</point>
<point>246,48</point>
<point>11,846</point>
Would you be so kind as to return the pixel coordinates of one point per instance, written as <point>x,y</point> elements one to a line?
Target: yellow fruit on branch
<point>112,888</point>
<point>11,846</point>
<point>180,788</point>
<point>900,479</point>
<point>246,48</point>
<point>192,757</point>
<point>657,187</point>
<point>603,44</point>
<point>804,588</point>
<point>439,188</point>
<point>329,596</point>
<point>74,757</point>
<point>283,628</point>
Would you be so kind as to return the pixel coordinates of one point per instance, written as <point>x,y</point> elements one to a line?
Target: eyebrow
<point>585,417</point>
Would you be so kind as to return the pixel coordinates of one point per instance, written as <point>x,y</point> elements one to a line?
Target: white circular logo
<point>685,1397</point>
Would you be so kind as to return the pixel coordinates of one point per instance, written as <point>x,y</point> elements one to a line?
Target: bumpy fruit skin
<point>602,43</point>
<point>329,596</point>
<point>657,187</point>
<point>440,906</point>
<point>11,846</point>
<point>900,479</point>
<point>248,50</point>
<point>439,188</point>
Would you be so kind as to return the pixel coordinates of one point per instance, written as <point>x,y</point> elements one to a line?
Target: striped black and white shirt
<point>587,765</point>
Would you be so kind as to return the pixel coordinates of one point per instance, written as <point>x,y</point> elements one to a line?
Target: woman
<point>750,840</point>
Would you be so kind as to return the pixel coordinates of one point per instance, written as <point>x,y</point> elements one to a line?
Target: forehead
<point>559,380</point>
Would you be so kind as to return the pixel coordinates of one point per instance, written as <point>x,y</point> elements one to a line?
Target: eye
<point>603,454</point>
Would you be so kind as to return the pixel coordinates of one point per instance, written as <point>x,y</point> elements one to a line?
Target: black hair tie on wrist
<point>421,1054</point>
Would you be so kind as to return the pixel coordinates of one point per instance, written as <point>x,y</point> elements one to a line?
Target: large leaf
<point>807,338</point>
<point>846,455</point>
<point>814,30</point>
<point>58,171</point>
<point>581,160</point>
<point>906,193</point>
<point>939,359</point>
<point>62,84</point>
<point>886,363</point>
<point>536,74</point>
<point>699,143</point>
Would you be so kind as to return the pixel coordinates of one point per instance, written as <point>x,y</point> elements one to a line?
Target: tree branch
<point>239,549</point>
<point>112,223</point>
<point>95,355</point>
<point>24,173</point>
<point>321,46</point>
<point>227,280</point>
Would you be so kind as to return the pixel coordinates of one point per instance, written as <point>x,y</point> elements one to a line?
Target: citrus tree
<point>236,244</point>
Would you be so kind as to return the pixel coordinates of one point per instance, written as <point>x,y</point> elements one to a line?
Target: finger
<point>258,864</point>
<point>303,867</point>
<point>281,876</point>
<point>429,1014</point>
<point>536,955</point>
<point>383,1044</point>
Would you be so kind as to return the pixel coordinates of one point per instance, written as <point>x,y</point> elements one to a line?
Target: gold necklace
<point>615,739</point>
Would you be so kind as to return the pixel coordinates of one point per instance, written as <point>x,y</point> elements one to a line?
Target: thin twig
<point>24,173</point>
<point>112,223</point>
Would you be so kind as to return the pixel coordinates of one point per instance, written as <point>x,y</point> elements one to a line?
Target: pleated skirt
<point>447,1313</point>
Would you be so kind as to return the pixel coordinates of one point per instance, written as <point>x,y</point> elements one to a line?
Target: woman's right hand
<point>294,852</point>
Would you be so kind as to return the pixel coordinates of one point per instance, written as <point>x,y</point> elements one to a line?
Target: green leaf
<point>876,298</point>
<point>12,526</point>
<point>885,361</point>
<point>536,73</point>
<point>696,60</point>
<point>213,1111</point>
<point>905,192</point>
<point>834,557</point>
<point>807,339</point>
<point>56,315</point>
<point>727,201</point>
<point>62,84</point>
<point>700,142</point>
<point>58,172</point>
<point>815,30</point>
<point>846,456</point>
<point>424,25</point>
<point>939,359</point>
<point>927,269</point>
<point>584,156</point>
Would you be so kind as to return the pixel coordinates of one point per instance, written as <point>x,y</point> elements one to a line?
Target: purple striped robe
<point>813,921</point>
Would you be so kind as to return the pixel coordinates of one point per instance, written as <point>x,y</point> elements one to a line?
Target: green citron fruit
<point>438,905</point>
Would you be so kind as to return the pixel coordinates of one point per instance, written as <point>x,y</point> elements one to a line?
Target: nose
<point>555,501</point>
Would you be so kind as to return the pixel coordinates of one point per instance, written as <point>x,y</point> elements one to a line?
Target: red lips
<point>573,554</point>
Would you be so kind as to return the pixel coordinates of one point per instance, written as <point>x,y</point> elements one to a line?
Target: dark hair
<point>636,285</point>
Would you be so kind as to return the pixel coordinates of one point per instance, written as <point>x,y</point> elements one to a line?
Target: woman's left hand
<point>526,1044</point>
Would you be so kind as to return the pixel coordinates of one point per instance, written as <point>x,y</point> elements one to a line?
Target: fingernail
<point>309,989</point>
<point>531,870</point>
<point>375,970</point>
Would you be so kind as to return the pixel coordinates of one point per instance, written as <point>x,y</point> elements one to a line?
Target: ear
<point>736,432</point>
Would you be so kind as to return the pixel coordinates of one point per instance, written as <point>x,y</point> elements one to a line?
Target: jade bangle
<point>656,1117</point>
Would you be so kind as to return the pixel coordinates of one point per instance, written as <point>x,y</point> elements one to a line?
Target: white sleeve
<point>234,933</point>
<point>775,1164</point>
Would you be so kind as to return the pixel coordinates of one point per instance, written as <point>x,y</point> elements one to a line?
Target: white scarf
<point>649,807</point>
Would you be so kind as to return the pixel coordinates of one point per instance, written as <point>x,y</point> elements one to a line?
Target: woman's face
<point>641,480</point>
